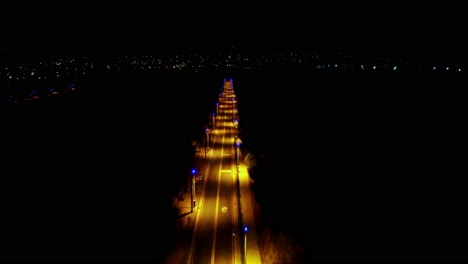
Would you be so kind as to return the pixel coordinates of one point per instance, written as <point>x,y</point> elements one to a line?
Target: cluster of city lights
<point>48,72</point>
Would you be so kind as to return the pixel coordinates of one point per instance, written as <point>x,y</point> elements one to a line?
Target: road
<point>218,235</point>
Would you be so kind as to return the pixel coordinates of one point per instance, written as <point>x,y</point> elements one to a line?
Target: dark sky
<point>392,27</point>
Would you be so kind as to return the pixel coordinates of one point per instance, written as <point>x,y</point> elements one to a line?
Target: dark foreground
<point>362,166</point>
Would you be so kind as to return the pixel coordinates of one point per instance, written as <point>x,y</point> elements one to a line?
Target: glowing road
<point>217,235</point>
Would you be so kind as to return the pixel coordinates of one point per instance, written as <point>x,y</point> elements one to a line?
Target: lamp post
<point>207,131</point>
<point>245,244</point>
<point>192,196</point>
<point>213,115</point>
<point>217,108</point>
<point>238,143</point>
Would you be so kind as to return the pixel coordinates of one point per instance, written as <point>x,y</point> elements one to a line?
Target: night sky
<point>395,29</point>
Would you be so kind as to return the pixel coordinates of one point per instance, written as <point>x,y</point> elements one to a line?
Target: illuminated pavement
<point>222,223</point>
<point>247,201</point>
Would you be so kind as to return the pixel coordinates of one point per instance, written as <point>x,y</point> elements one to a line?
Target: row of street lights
<point>237,142</point>
<point>207,148</point>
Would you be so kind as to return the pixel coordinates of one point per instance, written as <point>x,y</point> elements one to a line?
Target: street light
<point>245,243</point>
<point>238,143</point>
<point>213,115</point>
<point>193,190</point>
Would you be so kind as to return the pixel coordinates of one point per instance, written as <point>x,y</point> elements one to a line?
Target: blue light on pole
<point>245,241</point>
<point>238,143</point>
<point>193,189</point>
<point>214,119</point>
